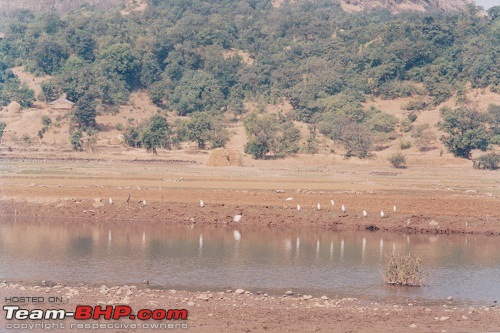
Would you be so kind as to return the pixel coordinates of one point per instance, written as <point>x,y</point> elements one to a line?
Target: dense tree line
<point>323,60</point>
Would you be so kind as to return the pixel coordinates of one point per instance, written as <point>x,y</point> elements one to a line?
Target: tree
<point>157,134</point>
<point>270,133</point>
<point>76,140</point>
<point>197,91</point>
<point>51,90</point>
<point>86,110</point>
<point>356,140</point>
<point>50,55</point>
<point>204,128</point>
<point>120,59</point>
<point>465,131</point>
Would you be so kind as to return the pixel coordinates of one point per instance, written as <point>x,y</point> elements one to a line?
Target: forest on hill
<point>205,58</point>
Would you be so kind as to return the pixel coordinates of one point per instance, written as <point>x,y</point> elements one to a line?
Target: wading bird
<point>144,203</point>
<point>343,209</point>
<point>298,208</point>
<point>110,201</point>
<point>365,214</point>
<point>319,206</point>
<point>202,204</point>
<point>237,218</point>
<point>394,209</point>
<point>332,202</point>
<point>382,214</point>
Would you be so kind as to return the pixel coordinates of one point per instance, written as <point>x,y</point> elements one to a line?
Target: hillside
<point>402,5</point>
<point>265,81</point>
<point>8,6</point>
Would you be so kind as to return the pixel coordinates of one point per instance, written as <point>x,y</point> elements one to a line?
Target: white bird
<point>319,206</point>
<point>298,208</point>
<point>202,204</point>
<point>289,199</point>
<point>394,209</point>
<point>236,235</point>
<point>332,202</point>
<point>110,201</point>
<point>365,214</point>
<point>408,222</point>
<point>382,214</point>
<point>144,203</point>
<point>237,218</point>
<point>343,208</point>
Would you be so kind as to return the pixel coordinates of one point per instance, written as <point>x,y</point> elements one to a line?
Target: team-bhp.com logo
<point>87,312</point>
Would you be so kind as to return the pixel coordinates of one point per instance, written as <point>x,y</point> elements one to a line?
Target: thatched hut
<point>61,104</point>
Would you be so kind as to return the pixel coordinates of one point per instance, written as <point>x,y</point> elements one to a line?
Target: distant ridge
<point>400,5</point>
<point>7,6</point>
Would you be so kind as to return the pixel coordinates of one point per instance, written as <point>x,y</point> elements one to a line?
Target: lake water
<point>316,262</point>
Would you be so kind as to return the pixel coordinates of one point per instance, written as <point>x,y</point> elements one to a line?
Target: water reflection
<point>317,262</point>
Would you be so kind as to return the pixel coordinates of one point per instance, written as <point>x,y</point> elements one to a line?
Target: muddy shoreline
<point>252,311</point>
<point>254,216</point>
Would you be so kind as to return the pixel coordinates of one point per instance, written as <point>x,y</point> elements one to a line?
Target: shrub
<point>489,161</point>
<point>26,139</point>
<point>405,145</point>
<point>417,104</point>
<point>403,270</point>
<point>424,137</point>
<point>382,122</point>
<point>406,126</point>
<point>412,116</point>
<point>76,140</point>
<point>119,127</point>
<point>2,129</point>
<point>46,121</point>
<point>398,161</point>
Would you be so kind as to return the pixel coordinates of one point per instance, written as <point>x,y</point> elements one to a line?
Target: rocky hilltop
<point>399,5</point>
<point>7,6</point>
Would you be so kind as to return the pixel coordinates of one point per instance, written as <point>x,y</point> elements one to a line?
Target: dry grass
<point>223,157</point>
<point>403,270</point>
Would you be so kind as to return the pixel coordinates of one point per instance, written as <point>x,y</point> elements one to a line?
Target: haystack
<point>14,107</point>
<point>223,157</point>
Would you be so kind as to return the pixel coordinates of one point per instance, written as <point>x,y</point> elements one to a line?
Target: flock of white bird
<point>237,218</point>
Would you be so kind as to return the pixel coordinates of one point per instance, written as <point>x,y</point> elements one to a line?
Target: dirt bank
<point>252,311</point>
<point>442,201</point>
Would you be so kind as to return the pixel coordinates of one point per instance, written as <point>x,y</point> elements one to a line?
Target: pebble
<point>433,222</point>
<point>413,326</point>
<point>239,291</point>
<point>465,317</point>
<point>324,298</point>
<point>450,298</point>
<point>289,293</point>
<point>444,318</point>
<point>307,297</point>
<point>190,303</point>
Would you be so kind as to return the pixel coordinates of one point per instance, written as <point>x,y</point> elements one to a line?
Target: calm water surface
<point>310,262</point>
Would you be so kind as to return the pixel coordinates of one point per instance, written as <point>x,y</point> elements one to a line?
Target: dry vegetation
<point>403,270</point>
